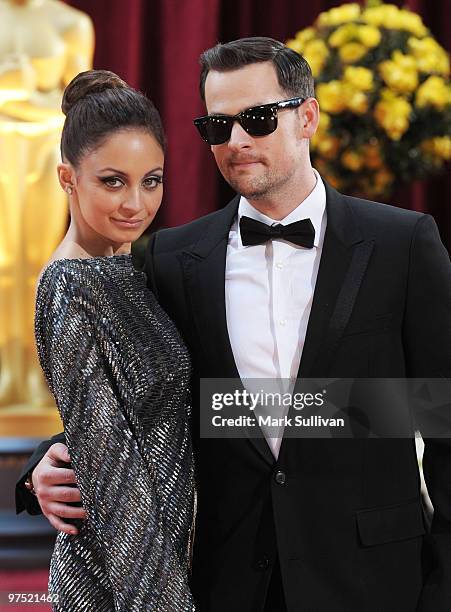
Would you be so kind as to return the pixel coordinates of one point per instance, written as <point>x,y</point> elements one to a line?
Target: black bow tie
<point>255,232</point>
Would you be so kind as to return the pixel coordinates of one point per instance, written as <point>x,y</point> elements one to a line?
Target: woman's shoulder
<point>73,269</point>
<point>87,281</point>
<point>62,276</point>
<point>68,278</point>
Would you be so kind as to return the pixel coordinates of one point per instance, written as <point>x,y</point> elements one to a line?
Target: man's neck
<point>280,205</point>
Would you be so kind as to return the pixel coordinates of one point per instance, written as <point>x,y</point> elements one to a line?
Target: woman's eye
<point>112,182</point>
<point>153,181</point>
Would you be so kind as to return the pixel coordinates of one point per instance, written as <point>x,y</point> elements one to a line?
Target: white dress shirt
<point>269,292</point>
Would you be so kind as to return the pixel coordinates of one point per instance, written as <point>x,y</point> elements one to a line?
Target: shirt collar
<point>312,208</point>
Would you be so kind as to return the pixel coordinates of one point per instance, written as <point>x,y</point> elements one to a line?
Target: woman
<point>116,365</point>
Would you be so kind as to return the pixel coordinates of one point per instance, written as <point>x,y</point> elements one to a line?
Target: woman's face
<point>118,187</point>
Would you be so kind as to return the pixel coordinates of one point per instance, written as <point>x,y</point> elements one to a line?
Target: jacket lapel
<point>343,264</point>
<point>204,274</point>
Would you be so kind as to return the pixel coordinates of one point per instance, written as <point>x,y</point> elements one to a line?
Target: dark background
<point>155,45</point>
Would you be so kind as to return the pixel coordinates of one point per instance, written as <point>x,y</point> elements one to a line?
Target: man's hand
<point>52,483</point>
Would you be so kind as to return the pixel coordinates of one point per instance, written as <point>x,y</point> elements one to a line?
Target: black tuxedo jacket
<point>346,523</point>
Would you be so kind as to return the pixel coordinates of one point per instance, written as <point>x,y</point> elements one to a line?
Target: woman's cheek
<point>107,203</point>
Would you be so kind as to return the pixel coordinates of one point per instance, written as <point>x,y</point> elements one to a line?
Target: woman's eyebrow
<point>115,170</point>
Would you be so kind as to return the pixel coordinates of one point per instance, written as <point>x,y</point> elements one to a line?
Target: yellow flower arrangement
<point>434,92</point>
<point>358,77</point>
<point>392,114</point>
<point>341,14</point>
<point>316,53</point>
<point>439,147</point>
<point>429,55</point>
<point>400,73</point>
<point>383,86</point>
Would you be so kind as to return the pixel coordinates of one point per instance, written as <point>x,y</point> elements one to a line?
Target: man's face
<point>257,167</point>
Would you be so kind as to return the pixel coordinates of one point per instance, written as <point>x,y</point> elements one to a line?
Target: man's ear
<point>309,116</point>
<point>66,177</point>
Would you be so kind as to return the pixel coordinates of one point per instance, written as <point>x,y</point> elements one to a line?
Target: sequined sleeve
<point>136,560</point>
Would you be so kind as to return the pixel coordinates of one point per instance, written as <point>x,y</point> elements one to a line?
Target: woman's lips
<point>128,224</point>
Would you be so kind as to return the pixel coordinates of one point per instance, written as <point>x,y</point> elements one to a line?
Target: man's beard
<point>257,188</point>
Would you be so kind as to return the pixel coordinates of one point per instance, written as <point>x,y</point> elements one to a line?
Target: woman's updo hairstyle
<point>98,103</point>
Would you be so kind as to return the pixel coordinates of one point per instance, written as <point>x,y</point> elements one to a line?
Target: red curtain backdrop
<point>155,45</point>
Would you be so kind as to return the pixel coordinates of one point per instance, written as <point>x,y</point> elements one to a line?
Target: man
<point>360,290</point>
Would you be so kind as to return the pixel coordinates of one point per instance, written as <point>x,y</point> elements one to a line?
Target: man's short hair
<point>293,72</point>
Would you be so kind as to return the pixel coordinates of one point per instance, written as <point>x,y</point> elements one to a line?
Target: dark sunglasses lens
<point>215,130</point>
<point>259,121</point>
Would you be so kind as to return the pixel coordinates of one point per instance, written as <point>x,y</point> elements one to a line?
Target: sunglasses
<point>256,121</point>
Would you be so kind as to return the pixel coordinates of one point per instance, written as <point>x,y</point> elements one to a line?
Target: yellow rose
<point>305,35</point>
<point>359,77</point>
<point>438,63</point>
<point>352,160</point>
<point>433,92</point>
<point>322,20</point>
<point>343,34</point>
<point>356,100</point>
<point>388,94</point>
<point>331,97</point>
<point>296,45</point>
<point>369,35</point>
<point>440,146</point>
<point>301,39</point>
<point>372,155</point>
<point>383,178</point>
<point>316,54</point>
<point>340,14</point>
<point>393,18</point>
<point>405,61</point>
<point>316,63</point>
<point>327,146</point>
<point>321,131</point>
<point>418,46</point>
<point>352,52</point>
<point>324,123</point>
<point>411,22</point>
<point>392,114</point>
<point>429,55</point>
<point>400,73</point>
<point>384,15</point>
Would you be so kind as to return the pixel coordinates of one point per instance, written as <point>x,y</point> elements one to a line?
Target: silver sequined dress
<point>120,374</point>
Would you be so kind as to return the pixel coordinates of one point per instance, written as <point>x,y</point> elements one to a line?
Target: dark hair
<point>293,72</point>
<point>97,103</point>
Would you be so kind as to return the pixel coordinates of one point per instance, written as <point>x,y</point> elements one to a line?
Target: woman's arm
<point>118,488</point>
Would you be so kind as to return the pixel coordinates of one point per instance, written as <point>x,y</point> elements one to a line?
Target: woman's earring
<point>69,190</point>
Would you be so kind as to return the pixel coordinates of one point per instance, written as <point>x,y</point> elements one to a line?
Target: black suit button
<point>263,563</point>
<point>280,477</point>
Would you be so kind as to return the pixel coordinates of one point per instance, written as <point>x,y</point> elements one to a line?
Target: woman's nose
<point>133,201</point>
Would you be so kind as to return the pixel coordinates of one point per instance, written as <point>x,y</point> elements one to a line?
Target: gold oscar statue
<point>43,45</point>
